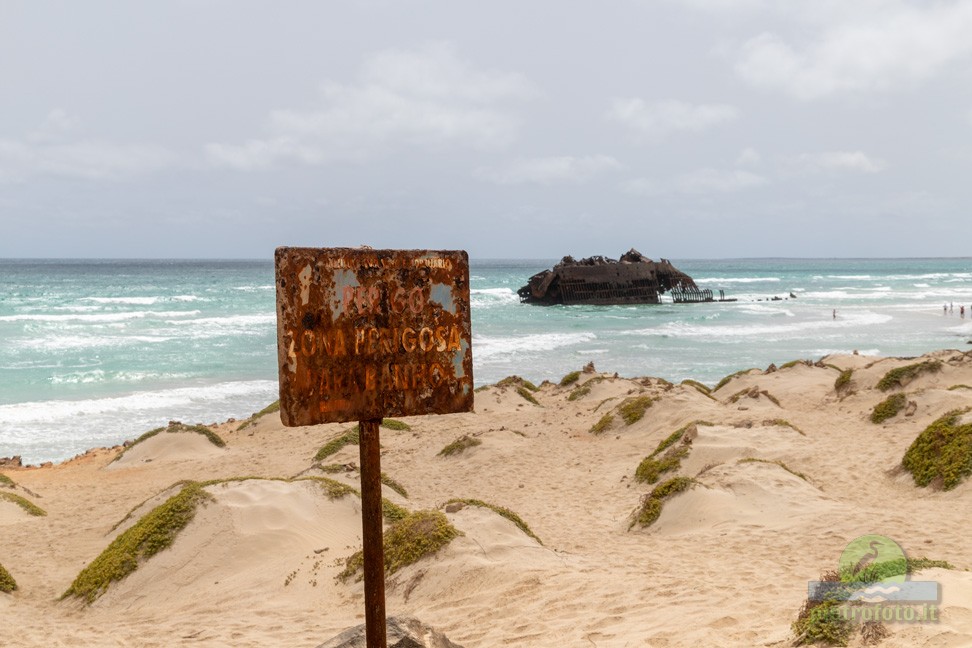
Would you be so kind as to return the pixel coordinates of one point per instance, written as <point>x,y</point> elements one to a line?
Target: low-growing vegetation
<point>725,381</point>
<point>903,375</point>
<point>652,503</point>
<point>825,620</point>
<point>175,428</point>
<point>459,446</point>
<point>779,422</point>
<point>395,424</point>
<point>889,407</point>
<point>7,582</point>
<point>499,510</point>
<point>24,503</point>
<point>517,381</point>
<point>603,424</point>
<point>349,437</point>
<point>150,535</point>
<point>656,464</point>
<point>957,387</point>
<point>269,409</point>
<point>699,386</point>
<point>843,381</point>
<point>585,389</point>
<point>633,410</point>
<point>570,378</point>
<point>417,535</point>
<point>6,482</point>
<point>776,462</point>
<point>941,456</point>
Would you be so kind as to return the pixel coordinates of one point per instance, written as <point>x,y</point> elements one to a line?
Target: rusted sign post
<point>363,334</point>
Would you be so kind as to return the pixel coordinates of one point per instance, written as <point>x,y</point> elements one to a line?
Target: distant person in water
<point>835,313</point>
<point>962,311</point>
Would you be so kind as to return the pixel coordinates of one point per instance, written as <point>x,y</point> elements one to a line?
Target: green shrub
<point>775,463</point>
<point>784,423</point>
<point>419,534</point>
<point>499,510</point>
<point>942,454</point>
<point>570,378</point>
<point>269,409</point>
<point>843,380</point>
<point>603,424</point>
<point>955,387</point>
<point>6,482</point>
<point>633,409</point>
<point>393,424</point>
<point>526,395</point>
<point>349,437</point>
<point>459,446</point>
<point>24,503</point>
<point>517,381</point>
<point>651,504</point>
<point>7,582</point>
<point>888,408</point>
<point>653,466</point>
<point>903,375</point>
<point>725,381</point>
<point>699,386</point>
<point>150,535</point>
<point>175,428</point>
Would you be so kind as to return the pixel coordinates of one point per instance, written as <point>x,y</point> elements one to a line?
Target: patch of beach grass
<point>348,437</point>
<point>570,378</point>
<point>652,503</point>
<point>941,456</point>
<point>24,503</point>
<point>903,375</point>
<point>633,410</point>
<point>6,482</point>
<point>725,381</point>
<point>7,582</point>
<point>150,535</point>
<point>824,620</point>
<point>459,446</point>
<point>957,387</point>
<point>699,387</point>
<point>843,381</point>
<point>779,422</point>
<point>603,424</point>
<point>889,407</point>
<point>775,462</point>
<point>656,464</point>
<point>175,427</point>
<point>793,363</point>
<point>395,424</point>
<point>585,389</point>
<point>412,538</point>
<point>499,510</point>
<point>269,409</point>
<point>517,381</point>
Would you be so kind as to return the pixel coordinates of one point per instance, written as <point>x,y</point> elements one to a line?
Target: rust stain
<point>363,334</point>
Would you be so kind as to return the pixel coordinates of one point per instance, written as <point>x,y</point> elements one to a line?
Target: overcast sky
<point>683,128</point>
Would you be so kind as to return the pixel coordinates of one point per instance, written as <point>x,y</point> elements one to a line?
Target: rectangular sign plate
<point>363,334</point>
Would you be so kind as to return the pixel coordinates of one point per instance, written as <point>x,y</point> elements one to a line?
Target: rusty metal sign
<point>363,333</point>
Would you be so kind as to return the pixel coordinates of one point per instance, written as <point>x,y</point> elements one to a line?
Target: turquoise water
<point>96,352</point>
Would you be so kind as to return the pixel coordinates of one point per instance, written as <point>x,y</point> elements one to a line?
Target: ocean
<point>94,352</point>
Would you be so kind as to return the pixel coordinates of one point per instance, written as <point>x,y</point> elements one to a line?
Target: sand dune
<point>786,470</point>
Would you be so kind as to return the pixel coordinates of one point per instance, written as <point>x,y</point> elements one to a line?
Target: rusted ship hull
<point>634,279</point>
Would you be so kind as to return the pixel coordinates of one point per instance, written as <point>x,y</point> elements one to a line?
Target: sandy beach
<point>787,469</point>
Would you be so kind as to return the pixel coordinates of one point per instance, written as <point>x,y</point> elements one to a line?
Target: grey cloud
<point>421,97</point>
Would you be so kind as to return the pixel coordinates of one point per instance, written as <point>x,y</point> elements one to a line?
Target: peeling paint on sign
<point>363,334</point>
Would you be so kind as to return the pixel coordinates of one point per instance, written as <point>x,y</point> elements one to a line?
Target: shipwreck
<point>633,279</point>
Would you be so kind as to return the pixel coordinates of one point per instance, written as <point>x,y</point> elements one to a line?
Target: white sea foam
<point>135,301</point>
<point>98,317</point>
<point>486,347</point>
<point>683,330</point>
<point>732,280</point>
<point>56,430</point>
<point>490,297</point>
